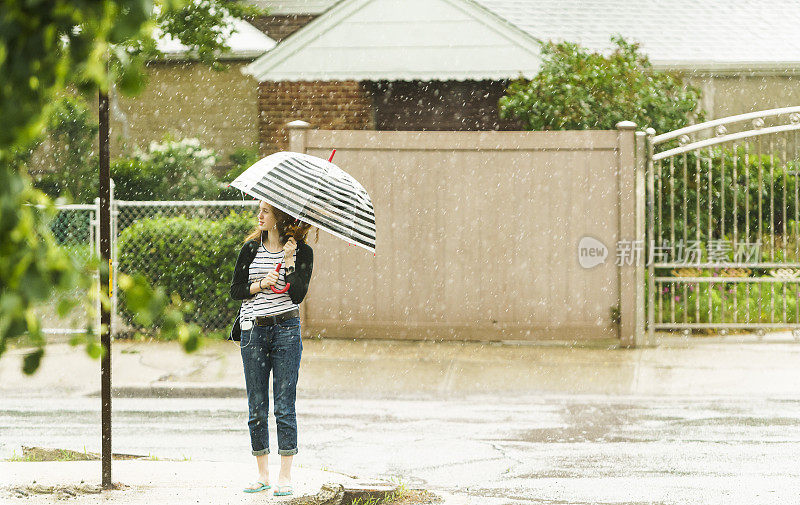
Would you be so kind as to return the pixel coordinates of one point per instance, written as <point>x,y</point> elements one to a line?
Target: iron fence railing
<point>723,227</point>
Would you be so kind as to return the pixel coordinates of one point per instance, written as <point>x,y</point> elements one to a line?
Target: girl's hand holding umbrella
<point>288,252</point>
<point>272,278</point>
<point>269,281</point>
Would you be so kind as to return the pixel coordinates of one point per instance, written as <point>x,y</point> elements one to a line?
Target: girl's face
<point>266,221</point>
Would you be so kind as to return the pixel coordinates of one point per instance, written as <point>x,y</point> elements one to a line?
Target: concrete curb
<point>140,481</point>
<point>174,390</point>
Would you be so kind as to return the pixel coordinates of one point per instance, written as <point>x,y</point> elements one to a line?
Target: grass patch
<point>402,495</point>
<point>34,454</point>
<point>57,492</point>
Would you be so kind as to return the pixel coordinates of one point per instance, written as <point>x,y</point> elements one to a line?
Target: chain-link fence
<point>75,228</point>
<point>186,247</point>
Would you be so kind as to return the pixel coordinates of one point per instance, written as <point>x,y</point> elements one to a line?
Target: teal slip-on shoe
<point>263,487</point>
<point>283,490</point>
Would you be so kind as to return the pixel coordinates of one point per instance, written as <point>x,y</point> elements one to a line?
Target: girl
<point>269,326</point>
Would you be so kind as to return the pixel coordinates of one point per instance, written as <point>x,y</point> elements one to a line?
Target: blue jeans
<point>276,348</point>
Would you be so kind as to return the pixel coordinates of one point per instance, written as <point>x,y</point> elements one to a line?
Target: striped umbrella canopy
<point>315,191</point>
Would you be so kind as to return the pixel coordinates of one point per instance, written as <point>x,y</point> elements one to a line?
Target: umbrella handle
<point>282,290</point>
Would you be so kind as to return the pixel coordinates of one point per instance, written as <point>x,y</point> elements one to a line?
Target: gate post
<point>640,338</point>
<point>297,136</point>
<point>651,272</point>
<point>626,185</point>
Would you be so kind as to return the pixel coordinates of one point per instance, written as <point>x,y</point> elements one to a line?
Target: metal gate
<point>722,225</point>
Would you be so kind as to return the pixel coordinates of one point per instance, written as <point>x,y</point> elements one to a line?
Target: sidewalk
<point>738,366</point>
<point>752,371</point>
<point>151,482</point>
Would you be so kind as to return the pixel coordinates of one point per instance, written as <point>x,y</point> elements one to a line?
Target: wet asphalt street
<point>550,448</point>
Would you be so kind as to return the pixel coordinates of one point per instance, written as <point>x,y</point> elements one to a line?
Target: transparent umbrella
<point>315,191</point>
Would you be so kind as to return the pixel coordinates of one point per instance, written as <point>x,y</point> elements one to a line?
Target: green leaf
<point>65,306</point>
<point>31,361</point>
<point>95,349</point>
<point>132,80</point>
<point>128,23</point>
<point>50,55</point>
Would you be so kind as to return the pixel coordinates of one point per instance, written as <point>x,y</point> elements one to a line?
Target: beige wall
<point>728,95</point>
<point>189,100</point>
<point>477,236</point>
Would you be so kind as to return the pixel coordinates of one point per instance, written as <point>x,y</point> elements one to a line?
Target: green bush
<point>775,177</point>
<point>72,228</point>
<point>756,175</point>
<point>167,170</point>
<point>192,257</point>
<point>70,152</point>
<point>725,302</point>
<point>581,90</point>
<point>134,180</point>
<point>173,170</point>
<point>240,160</point>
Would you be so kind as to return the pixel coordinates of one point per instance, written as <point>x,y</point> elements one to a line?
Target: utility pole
<point>105,273</point>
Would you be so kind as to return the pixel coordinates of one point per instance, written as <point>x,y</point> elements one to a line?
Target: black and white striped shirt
<point>267,303</point>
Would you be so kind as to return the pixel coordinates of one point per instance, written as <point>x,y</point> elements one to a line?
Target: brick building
<point>443,64</point>
<point>401,73</point>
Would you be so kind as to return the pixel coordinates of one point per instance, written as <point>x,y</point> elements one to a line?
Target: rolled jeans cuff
<point>261,452</point>
<point>287,452</point>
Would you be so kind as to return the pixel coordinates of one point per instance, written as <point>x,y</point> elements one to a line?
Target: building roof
<point>499,39</point>
<point>288,7</point>
<point>704,35</point>
<point>246,42</point>
<point>401,40</point>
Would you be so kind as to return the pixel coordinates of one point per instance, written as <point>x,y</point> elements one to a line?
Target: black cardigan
<point>298,280</point>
